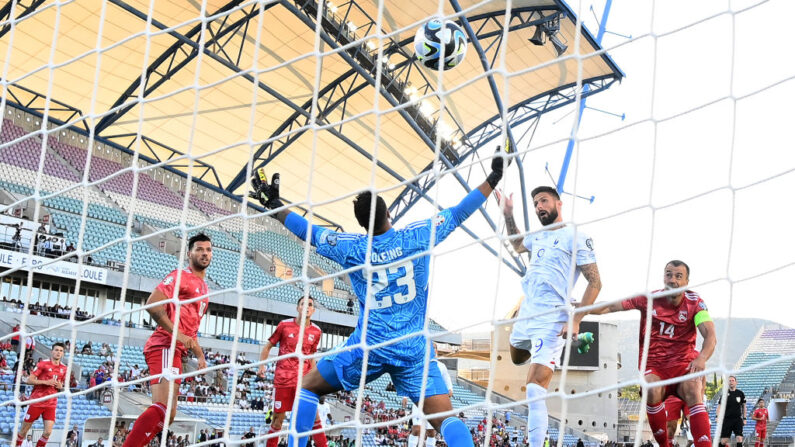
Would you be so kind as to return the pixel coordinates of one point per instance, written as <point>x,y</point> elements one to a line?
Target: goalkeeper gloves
<point>266,193</point>
<point>584,342</point>
<point>499,163</point>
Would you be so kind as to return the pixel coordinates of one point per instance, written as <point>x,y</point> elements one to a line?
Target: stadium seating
<point>785,428</point>
<point>82,409</point>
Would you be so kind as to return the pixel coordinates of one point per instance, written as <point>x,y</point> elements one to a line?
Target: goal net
<point>130,126</point>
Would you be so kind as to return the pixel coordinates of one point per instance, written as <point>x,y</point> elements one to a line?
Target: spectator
<point>30,344</point>
<point>87,349</point>
<point>202,435</point>
<point>74,431</point>
<point>16,239</point>
<point>99,443</point>
<point>248,435</point>
<point>15,339</point>
<point>350,306</point>
<point>71,441</point>
<point>28,442</point>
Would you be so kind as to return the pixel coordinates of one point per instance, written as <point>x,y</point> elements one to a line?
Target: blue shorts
<point>344,370</point>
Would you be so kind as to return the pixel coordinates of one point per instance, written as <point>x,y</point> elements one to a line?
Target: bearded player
<point>47,378</point>
<point>393,297</point>
<point>285,379</point>
<point>672,350</point>
<point>761,416</point>
<point>558,254</point>
<point>186,285</point>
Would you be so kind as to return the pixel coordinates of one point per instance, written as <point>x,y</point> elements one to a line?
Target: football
<point>440,43</point>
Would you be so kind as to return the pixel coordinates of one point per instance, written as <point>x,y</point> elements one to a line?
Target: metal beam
<point>529,109</point>
<point>520,17</point>
<point>5,12</point>
<point>178,55</point>
<point>36,102</point>
<point>391,91</point>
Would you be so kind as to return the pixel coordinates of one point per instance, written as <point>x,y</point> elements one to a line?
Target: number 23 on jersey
<point>402,279</point>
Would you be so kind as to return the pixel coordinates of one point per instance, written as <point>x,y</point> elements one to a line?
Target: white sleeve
<point>445,375</point>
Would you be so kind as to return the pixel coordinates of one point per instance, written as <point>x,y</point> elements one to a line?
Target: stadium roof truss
<point>252,80</point>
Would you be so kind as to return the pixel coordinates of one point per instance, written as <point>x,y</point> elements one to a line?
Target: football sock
<point>537,416</point>
<point>456,433</point>
<point>20,438</point>
<point>274,441</point>
<point>319,438</point>
<point>147,426</point>
<point>430,441</point>
<point>413,441</point>
<point>42,442</point>
<point>304,416</point>
<point>658,422</point>
<point>699,426</point>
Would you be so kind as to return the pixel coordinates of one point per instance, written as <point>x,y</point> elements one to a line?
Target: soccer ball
<point>435,35</point>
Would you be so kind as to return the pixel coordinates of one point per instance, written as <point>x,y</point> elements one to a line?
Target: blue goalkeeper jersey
<point>398,295</point>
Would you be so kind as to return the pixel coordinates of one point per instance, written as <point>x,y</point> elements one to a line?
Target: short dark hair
<point>298,303</point>
<point>63,346</point>
<point>548,189</point>
<point>201,237</point>
<point>361,208</point>
<point>678,263</point>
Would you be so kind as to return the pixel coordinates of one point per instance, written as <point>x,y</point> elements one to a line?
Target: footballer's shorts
<point>46,412</point>
<point>157,359</point>
<point>761,433</point>
<point>733,425</point>
<point>675,407</point>
<point>344,371</point>
<point>544,344</point>
<point>283,398</point>
<point>671,370</point>
<point>416,419</point>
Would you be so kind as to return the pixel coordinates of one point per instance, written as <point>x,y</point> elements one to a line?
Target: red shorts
<point>157,360</point>
<point>675,407</point>
<point>671,371</point>
<point>38,411</point>
<point>283,398</point>
<point>761,432</point>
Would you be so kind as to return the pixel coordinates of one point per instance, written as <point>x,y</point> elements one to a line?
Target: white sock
<point>538,418</point>
<point>430,441</point>
<point>413,441</point>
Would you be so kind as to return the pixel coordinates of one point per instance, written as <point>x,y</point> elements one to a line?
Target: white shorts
<point>416,418</point>
<point>544,344</point>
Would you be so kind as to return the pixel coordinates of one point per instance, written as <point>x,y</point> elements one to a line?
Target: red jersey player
<point>285,380</point>
<point>761,416</point>
<point>158,351</point>
<point>47,378</point>
<point>672,350</point>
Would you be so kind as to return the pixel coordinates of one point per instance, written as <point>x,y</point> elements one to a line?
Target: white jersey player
<point>539,333</point>
<point>417,416</point>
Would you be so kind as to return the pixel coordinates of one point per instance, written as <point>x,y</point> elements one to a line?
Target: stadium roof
<point>238,86</point>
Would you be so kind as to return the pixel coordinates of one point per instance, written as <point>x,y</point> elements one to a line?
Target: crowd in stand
<point>56,311</point>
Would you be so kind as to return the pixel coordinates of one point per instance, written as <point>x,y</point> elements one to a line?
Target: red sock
<point>319,438</point>
<point>274,441</point>
<point>42,442</point>
<point>699,426</point>
<point>20,438</point>
<point>147,426</point>
<point>658,421</point>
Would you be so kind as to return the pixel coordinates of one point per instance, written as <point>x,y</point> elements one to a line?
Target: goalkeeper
<point>393,304</point>
<point>538,335</point>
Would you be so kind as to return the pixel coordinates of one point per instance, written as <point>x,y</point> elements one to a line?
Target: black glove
<point>266,193</point>
<point>498,164</point>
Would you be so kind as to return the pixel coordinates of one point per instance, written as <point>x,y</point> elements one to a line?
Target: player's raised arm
<point>506,202</point>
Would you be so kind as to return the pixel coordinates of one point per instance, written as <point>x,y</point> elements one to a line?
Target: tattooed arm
<point>510,222</point>
<point>591,274</point>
